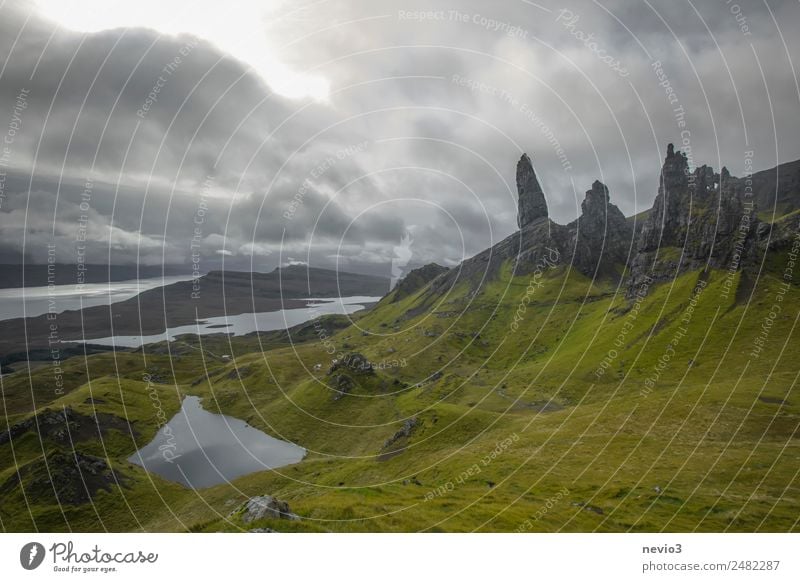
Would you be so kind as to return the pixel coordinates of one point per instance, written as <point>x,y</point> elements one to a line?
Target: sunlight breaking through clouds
<point>237,27</point>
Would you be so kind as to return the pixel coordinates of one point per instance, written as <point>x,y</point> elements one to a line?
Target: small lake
<point>198,449</point>
<point>244,323</point>
<point>35,301</point>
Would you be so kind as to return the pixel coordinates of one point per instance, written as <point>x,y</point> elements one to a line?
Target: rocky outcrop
<point>397,443</point>
<point>532,204</point>
<point>417,279</point>
<point>67,426</point>
<point>597,244</point>
<point>353,362</point>
<point>266,507</point>
<point>603,236</point>
<point>403,433</point>
<point>342,385</point>
<point>64,478</point>
<point>699,220</point>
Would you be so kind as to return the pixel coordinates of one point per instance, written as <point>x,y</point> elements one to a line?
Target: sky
<point>365,135</point>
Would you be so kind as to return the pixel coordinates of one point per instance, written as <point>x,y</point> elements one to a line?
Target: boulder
<point>266,506</point>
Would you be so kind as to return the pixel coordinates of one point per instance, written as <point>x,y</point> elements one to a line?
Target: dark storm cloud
<point>430,108</point>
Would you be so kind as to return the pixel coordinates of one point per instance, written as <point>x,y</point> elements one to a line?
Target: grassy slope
<point>596,448</point>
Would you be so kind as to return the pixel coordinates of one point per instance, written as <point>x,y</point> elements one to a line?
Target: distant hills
<point>215,294</point>
<point>28,275</point>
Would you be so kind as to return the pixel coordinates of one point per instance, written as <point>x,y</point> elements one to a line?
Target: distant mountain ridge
<point>17,275</point>
<point>216,294</point>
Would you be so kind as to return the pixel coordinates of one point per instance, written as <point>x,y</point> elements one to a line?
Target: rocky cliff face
<point>417,279</point>
<point>700,219</point>
<point>603,237</point>
<point>597,244</point>
<point>532,204</point>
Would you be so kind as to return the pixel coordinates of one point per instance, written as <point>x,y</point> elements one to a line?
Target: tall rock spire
<point>674,173</point>
<point>532,205</point>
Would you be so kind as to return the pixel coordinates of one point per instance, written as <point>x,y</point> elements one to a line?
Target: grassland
<point>514,426</point>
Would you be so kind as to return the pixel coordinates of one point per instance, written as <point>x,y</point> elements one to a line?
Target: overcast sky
<point>361,132</point>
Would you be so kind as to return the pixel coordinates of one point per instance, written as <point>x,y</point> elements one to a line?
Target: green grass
<point>710,433</point>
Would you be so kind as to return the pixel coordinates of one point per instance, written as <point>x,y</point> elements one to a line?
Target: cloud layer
<point>154,146</point>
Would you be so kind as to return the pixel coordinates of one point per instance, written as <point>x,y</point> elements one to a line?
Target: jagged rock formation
<point>532,204</point>
<point>596,244</point>
<point>699,219</point>
<point>602,235</point>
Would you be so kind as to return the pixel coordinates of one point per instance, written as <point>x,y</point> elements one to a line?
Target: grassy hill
<point>514,428</point>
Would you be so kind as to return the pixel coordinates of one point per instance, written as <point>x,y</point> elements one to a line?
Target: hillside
<point>576,377</point>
